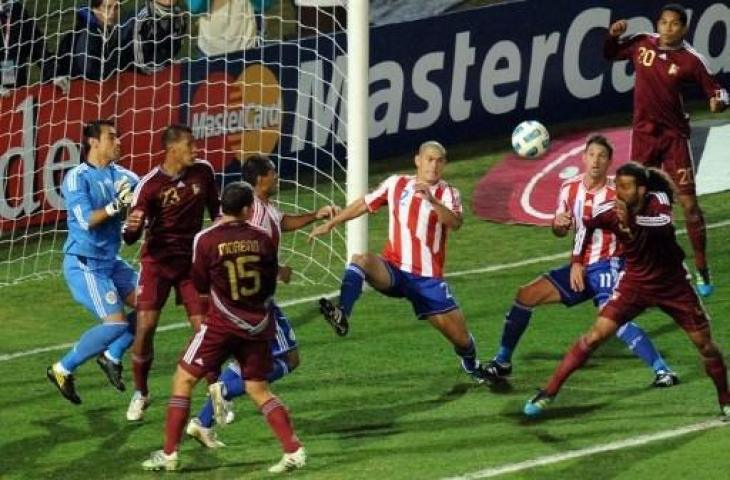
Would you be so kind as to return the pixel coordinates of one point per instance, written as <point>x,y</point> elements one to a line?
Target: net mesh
<point>248,76</point>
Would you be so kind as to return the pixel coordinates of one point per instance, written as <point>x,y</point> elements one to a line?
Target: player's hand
<point>135,221</point>
<point>284,274</point>
<point>563,220</point>
<point>622,213</point>
<point>321,229</point>
<point>423,190</point>
<point>717,103</point>
<point>124,192</point>
<point>577,277</point>
<point>328,211</point>
<point>618,28</point>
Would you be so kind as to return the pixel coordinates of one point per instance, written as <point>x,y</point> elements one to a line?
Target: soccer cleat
<point>64,383</point>
<point>335,316</point>
<point>499,369</point>
<point>725,412</point>
<point>112,370</point>
<point>160,461</point>
<point>290,461</point>
<point>703,283</point>
<point>205,436</point>
<point>665,379</point>
<point>137,406</point>
<point>534,406</point>
<point>481,375</point>
<point>215,390</point>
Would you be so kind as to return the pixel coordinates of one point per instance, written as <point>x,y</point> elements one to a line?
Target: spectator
<point>22,44</point>
<point>101,45</point>
<point>225,25</point>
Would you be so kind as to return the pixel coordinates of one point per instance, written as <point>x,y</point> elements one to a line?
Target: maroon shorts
<point>680,302</point>
<point>670,152</point>
<point>156,279</point>
<point>213,345</point>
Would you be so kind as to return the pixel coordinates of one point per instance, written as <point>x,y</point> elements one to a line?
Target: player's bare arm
<point>718,104</point>
<point>445,216</point>
<point>352,211</point>
<point>284,274</point>
<point>618,28</point>
<point>295,222</point>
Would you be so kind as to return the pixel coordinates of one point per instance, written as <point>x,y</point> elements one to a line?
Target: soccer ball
<point>530,139</point>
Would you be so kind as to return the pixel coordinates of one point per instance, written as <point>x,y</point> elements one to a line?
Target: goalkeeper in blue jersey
<point>97,193</point>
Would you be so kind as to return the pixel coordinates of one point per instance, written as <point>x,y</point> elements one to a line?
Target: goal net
<point>248,76</point>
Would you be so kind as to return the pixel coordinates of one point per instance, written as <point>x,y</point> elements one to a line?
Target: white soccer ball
<point>530,139</point>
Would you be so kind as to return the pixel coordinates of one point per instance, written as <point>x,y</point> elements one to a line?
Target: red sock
<point>572,361</point>
<point>178,410</point>
<point>698,238</point>
<point>141,367</point>
<point>716,370</point>
<point>278,418</point>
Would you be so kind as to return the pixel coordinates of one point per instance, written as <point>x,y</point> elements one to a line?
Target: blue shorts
<point>600,279</point>
<point>99,285</point>
<point>285,340</point>
<point>428,295</point>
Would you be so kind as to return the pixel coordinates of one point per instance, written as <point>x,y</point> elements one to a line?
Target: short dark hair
<point>601,140</point>
<point>236,196</point>
<point>653,179</point>
<point>93,129</point>
<point>174,133</point>
<point>676,8</point>
<point>95,3</point>
<point>256,166</point>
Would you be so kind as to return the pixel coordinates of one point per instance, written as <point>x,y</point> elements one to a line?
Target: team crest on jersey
<point>196,188</point>
<point>111,297</point>
<point>170,197</point>
<point>673,69</point>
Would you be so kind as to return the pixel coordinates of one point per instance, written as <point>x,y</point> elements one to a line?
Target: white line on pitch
<point>585,452</point>
<point>489,268</point>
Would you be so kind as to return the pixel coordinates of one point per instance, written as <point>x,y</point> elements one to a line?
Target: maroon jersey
<point>236,263</point>
<point>661,72</point>
<point>173,208</point>
<point>654,259</point>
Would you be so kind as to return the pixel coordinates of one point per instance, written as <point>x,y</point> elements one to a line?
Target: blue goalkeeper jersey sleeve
<point>87,188</point>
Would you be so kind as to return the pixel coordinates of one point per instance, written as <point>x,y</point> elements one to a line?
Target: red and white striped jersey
<point>580,202</point>
<point>266,216</point>
<point>416,239</point>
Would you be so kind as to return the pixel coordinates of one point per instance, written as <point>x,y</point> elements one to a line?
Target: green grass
<point>388,401</point>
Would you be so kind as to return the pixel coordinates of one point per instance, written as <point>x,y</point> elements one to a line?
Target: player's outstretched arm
<point>295,222</point>
<point>352,211</point>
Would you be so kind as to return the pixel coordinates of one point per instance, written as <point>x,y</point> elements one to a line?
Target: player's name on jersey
<point>239,246</point>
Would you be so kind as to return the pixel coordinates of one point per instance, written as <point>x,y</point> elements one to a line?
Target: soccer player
<point>664,63</point>
<point>655,276</point>
<point>423,209</point>
<point>593,277</point>
<point>260,172</point>
<point>169,204</point>
<point>97,193</point>
<point>236,264</point>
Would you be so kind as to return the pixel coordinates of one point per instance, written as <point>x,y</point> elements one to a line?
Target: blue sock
<point>468,355</point>
<point>515,324</point>
<point>351,288</point>
<point>92,343</point>
<point>231,378</point>
<point>639,343</point>
<point>235,387</point>
<point>116,350</point>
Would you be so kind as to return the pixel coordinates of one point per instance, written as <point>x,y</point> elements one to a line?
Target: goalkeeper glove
<point>122,198</point>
